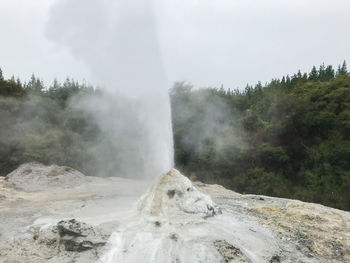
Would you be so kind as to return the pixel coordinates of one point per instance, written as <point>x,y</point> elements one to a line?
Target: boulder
<point>78,236</point>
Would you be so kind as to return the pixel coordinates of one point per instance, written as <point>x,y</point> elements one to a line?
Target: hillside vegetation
<point>287,138</point>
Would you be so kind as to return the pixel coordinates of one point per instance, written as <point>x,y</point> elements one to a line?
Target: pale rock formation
<point>173,194</point>
<point>55,214</point>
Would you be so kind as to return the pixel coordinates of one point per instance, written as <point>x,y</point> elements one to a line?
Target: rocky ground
<point>56,214</point>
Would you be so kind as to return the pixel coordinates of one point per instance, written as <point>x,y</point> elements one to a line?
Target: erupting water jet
<point>118,42</point>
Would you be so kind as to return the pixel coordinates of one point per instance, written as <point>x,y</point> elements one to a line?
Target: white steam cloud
<point>117,40</point>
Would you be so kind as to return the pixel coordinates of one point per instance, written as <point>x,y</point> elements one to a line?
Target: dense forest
<point>287,138</point>
<point>40,124</point>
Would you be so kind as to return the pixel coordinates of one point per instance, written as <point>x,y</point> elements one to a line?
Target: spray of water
<point>117,40</point>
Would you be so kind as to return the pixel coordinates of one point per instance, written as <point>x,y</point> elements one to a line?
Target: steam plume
<point>118,42</point>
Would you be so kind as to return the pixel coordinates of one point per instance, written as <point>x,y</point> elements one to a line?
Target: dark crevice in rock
<point>171,193</point>
<point>275,259</point>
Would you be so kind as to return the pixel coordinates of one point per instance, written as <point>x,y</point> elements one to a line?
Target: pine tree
<point>56,85</point>
<point>258,87</point>
<point>288,82</point>
<point>299,75</point>
<point>322,73</point>
<point>19,83</point>
<point>329,73</point>
<point>296,78</point>
<point>313,76</point>
<point>1,76</point>
<point>34,85</point>
<point>343,70</point>
<point>283,82</point>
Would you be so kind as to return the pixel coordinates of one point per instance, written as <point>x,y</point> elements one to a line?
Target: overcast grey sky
<point>205,42</point>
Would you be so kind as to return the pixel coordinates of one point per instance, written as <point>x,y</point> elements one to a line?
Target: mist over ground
<point>287,138</point>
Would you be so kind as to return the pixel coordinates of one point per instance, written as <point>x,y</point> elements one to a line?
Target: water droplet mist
<point>117,41</point>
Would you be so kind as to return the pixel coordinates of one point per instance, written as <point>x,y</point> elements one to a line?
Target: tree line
<point>40,124</point>
<point>288,138</point>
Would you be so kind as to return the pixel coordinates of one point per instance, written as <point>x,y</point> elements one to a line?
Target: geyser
<point>171,224</point>
<point>117,40</point>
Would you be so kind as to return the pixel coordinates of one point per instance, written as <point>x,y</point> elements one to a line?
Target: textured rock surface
<point>68,241</point>
<point>173,194</point>
<point>228,252</point>
<point>317,232</point>
<point>32,177</point>
<point>170,223</point>
<point>78,236</point>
